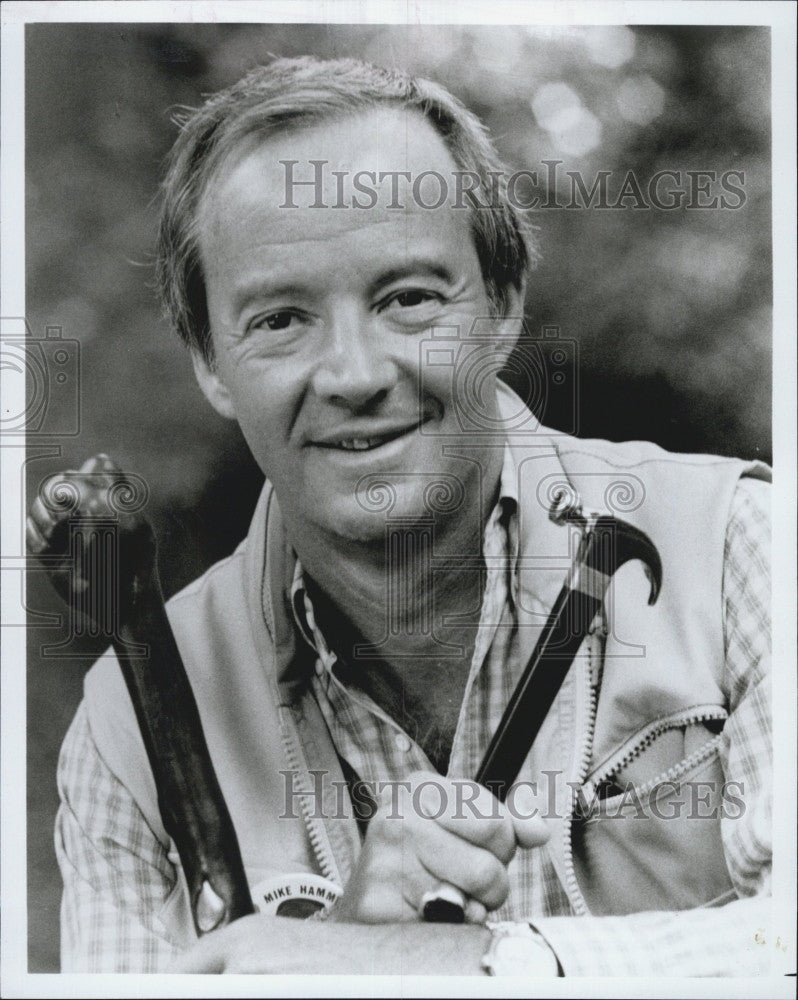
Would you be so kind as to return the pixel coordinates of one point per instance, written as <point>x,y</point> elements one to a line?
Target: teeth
<point>359,444</point>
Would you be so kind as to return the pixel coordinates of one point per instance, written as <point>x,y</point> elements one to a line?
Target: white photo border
<point>781,18</point>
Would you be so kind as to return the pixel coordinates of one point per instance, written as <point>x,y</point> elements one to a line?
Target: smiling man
<point>353,657</point>
<point>318,319</point>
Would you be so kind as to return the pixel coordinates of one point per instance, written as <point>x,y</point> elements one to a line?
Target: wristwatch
<point>517,949</point>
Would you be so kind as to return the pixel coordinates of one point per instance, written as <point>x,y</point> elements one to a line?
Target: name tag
<point>298,895</point>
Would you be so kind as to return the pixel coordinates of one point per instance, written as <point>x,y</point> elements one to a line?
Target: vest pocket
<point>648,837</point>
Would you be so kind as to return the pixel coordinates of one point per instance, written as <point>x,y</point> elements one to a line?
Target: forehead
<point>284,188</point>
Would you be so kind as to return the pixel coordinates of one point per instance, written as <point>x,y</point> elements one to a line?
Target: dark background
<point>667,313</point>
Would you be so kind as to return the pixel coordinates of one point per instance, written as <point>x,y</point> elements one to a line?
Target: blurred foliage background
<point>669,311</point>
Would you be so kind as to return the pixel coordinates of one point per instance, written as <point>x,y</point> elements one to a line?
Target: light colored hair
<point>291,93</point>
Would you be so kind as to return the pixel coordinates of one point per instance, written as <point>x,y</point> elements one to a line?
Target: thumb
<point>531,830</point>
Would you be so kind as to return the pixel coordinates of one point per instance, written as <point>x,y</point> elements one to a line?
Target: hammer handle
<point>536,690</point>
<point>605,545</point>
<point>87,528</point>
<point>191,803</point>
<point>533,696</point>
<point>522,718</point>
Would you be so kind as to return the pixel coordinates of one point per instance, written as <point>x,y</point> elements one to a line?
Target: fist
<point>98,548</point>
<point>430,830</point>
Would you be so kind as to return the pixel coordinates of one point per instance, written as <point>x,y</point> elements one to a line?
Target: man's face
<point>319,315</point>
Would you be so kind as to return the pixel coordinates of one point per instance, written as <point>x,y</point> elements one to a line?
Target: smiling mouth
<point>367,443</point>
<point>360,444</point>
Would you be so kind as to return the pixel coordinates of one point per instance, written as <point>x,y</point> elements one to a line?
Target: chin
<point>367,520</point>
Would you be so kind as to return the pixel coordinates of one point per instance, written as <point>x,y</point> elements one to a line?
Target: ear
<point>213,388</point>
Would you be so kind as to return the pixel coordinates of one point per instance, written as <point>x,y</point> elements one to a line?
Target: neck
<point>397,590</point>
<point>403,624</point>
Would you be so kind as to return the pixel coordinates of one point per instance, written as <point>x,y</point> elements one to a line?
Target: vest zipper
<point>313,824</point>
<point>572,889</point>
<point>678,720</point>
<point>703,752</point>
<point>696,757</point>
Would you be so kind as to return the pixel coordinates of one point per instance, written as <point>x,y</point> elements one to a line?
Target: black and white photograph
<point>398,456</point>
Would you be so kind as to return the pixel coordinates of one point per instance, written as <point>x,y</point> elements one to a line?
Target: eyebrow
<point>412,267</point>
<point>262,289</point>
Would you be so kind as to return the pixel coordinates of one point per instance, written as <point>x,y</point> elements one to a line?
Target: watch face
<point>516,953</point>
<point>522,952</point>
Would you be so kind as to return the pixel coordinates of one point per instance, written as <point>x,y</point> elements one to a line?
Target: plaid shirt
<point>117,876</point>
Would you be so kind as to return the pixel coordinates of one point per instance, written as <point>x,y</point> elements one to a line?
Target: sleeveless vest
<point>642,704</point>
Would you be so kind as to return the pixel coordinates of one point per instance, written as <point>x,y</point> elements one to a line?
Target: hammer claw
<point>624,543</point>
<point>656,582</point>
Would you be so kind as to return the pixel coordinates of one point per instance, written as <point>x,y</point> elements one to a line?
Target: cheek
<point>256,386</point>
<point>466,387</point>
<point>263,406</point>
<point>437,382</point>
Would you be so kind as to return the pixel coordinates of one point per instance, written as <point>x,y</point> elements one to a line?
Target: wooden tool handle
<point>100,553</point>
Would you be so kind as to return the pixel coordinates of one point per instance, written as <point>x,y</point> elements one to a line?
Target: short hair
<point>290,93</point>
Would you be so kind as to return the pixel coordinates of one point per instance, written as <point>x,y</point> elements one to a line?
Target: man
<point>352,658</point>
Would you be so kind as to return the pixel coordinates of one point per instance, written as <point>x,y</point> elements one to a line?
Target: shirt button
<point>402,742</point>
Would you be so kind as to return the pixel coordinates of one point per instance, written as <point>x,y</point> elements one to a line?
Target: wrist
<point>436,949</point>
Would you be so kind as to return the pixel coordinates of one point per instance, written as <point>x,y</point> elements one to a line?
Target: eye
<point>415,297</point>
<point>276,321</point>
<point>412,298</point>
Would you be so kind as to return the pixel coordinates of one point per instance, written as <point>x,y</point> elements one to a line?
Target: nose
<point>354,368</point>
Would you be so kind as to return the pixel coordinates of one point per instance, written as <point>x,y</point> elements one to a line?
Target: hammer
<point>606,544</point>
<point>63,531</point>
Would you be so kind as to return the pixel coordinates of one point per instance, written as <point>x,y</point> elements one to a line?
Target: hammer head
<point>608,543</point>
<point>616,542</point>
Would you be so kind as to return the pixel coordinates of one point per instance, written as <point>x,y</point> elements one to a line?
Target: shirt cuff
<point>731,940</point>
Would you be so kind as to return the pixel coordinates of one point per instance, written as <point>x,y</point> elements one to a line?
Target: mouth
<point>371,442</point>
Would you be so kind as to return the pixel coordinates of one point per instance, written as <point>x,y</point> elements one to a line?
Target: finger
<point>35,540</point>
<point>96,476</point>
<point>410,877</point>
<point>59,500</point>
<point>469,811</point>
<point>389,880</point>
<point>475,912</point>
<point>107,464</point>
<point>444,856</point>
<point>531,830</point>
<point>101,463</point>
<point>48,516</point>
<point>477,872</point>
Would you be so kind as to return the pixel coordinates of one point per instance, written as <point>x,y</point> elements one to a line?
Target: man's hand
<point>282,946</point>
<point>427,831</point>
<point>98,493</point>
